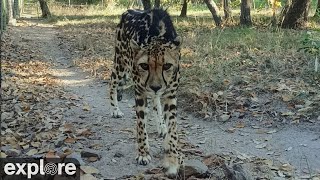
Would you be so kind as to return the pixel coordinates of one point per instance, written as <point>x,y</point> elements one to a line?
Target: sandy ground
<point>113,139</point>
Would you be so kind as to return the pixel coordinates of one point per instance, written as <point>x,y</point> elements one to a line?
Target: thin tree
<point>318,9</point>
<point>11,19</point>
<point>274,19</point>
<point>157,3</point>
<point>146,4</point>
<point>214,11</point>
<point>226,10</point>
<point>44,9</point>
<point>295,14</point>
<point>245,17</point>
<point>184,9</point>
<point>3,17</point>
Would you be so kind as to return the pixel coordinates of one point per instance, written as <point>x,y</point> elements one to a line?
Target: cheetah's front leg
<point>172,159</point>
<point>158,115</point>
<point>143,157</point>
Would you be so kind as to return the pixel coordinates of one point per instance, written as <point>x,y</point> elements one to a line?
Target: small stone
<point>13,152</point>
<point>77,157</point>
<point>93,159</point>
<point>194,168</point>
<point>118,155</point>
<point>87,154</point>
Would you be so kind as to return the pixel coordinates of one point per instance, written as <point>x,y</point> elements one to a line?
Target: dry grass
<point>228,72</point>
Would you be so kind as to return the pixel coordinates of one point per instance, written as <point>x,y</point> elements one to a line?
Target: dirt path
<point>113,139</point>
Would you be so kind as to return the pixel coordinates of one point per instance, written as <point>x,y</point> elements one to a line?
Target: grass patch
<point>233,72</point>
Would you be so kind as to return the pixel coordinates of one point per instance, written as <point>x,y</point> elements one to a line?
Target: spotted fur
<point>148,51</point>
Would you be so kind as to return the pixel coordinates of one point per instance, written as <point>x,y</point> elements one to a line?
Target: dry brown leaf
<point>92,159</point>
<point>154,171</point>
<point>86,107</point>
<point>286,167</point>
<point>286,97</point>
<point>35,144</point>
<point>261,146</point>
<point>240,125</point>
<point>84,132</point>
<point>51,154</point>
<point>213,160</point>
<point>70,140</point>
<point>87,177</point>
<point>89,169</point>
<point>3,155</point>
<point>224,117</point>
<point>32,152</point>
<point>231,130</point>
<point>272,131</point>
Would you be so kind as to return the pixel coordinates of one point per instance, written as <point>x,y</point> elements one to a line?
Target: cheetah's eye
<point>167,66</point>
<point>144,66</point>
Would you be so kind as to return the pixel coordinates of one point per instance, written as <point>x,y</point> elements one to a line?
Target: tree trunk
<point>184,9</point>
<point>245,17</point>
<point>274,18</point>
<point>295,14</point>
<point>157,3</point>
<point>214,11</point>
<point>16,8</point>
<point>11,19</point>
<point>226,9</point>
<point>318,9</point>
<point>44,9</point>
<point>3,15</point>
<point>146,4</point>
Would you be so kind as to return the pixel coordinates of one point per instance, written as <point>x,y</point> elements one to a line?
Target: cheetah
<point>147,50</point>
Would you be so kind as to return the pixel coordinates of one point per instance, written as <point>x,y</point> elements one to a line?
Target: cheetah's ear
<point>177,42</point>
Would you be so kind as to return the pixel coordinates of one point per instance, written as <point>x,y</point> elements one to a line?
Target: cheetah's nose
<point>155,88</point>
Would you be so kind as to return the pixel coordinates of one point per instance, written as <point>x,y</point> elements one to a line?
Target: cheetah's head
<point>157,65</point>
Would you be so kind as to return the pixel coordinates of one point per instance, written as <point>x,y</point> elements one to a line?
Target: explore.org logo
<point>29,168</point>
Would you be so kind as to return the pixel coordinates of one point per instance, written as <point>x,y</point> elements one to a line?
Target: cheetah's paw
<point>172,166</point>
<point>172,170</point>
<point>162,130</point>
<point>143,160</point>
<point>117,114</point>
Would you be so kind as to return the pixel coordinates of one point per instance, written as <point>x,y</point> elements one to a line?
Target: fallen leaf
<point>83,132</point>
<point>224,117</point>
<point>87,177</point>
<point>213,160</point>
<point>154,171</point>
<point>89,170</point>
<point>261,146</point>
<point>272,131</point>
<point>231,130</point>
<point>86,107</point>
<point>35,144</point>
<point>26,146</point>
<point>240,125</point>
<point>3,155</point>
<point>286,97</point>
<point>32,152</point>
<point>51,154</point>
<point>92,159</point>
<point>70,140</point>
<point>286,167</point>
